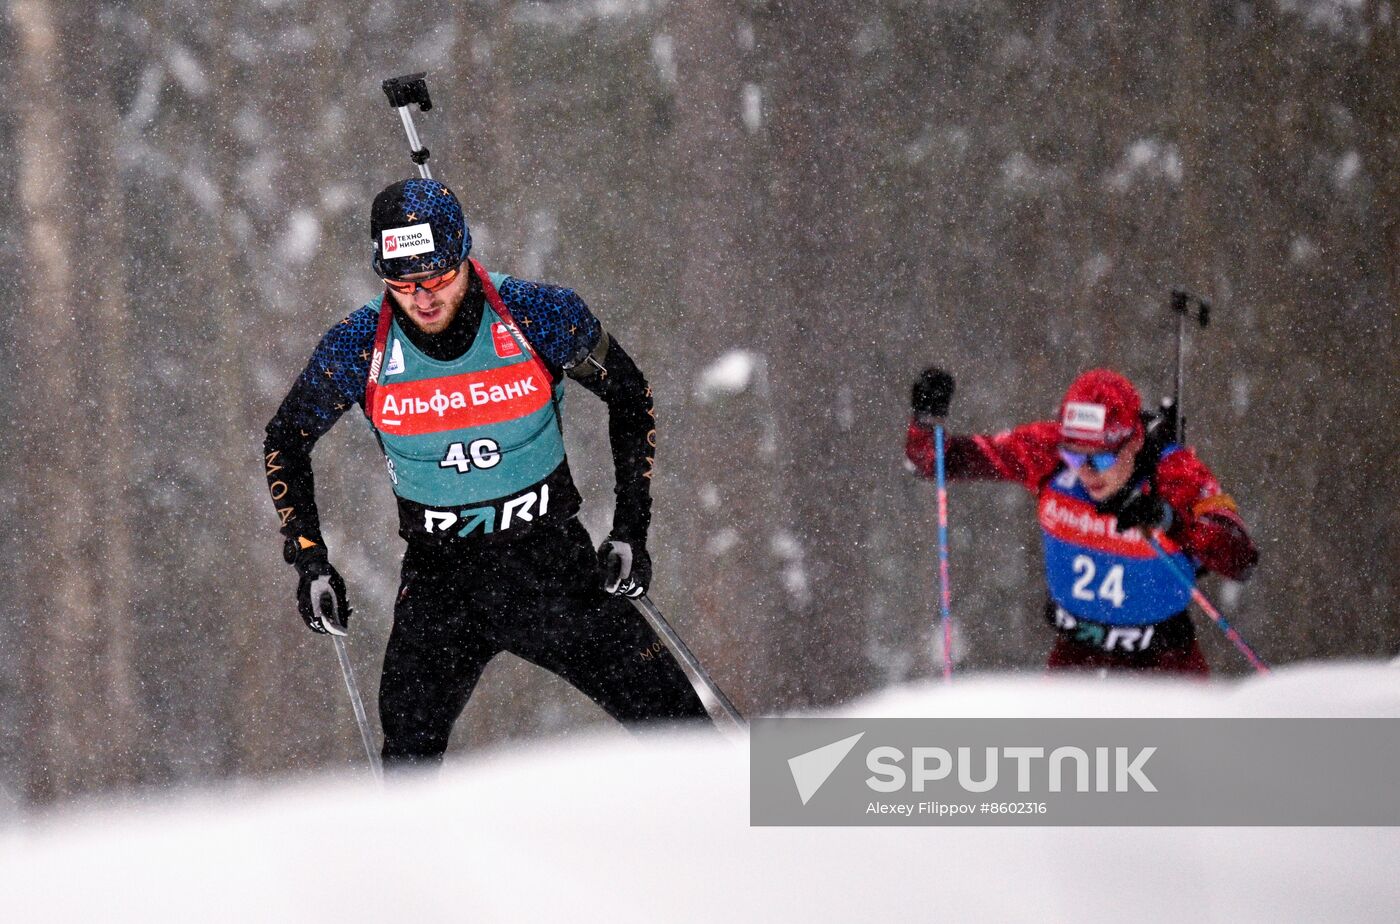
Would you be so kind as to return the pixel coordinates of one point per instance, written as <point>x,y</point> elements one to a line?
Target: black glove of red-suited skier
<point>932,395</point>
<point>320,589</point>
<point>1145,510</point>
<point>626,567</point>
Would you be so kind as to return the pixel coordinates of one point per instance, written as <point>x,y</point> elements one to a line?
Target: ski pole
<point>1186,305</point>
<point>710,694</point>
<point>1209,610</point>
<point>944,592</point>
<point>403,92</point>
<point>348,672</point>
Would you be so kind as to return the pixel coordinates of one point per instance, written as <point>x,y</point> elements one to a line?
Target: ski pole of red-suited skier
<point>1210,610</point>
<point>945,598</point>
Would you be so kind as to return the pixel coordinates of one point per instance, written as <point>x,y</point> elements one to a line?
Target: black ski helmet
<point>417,227</point>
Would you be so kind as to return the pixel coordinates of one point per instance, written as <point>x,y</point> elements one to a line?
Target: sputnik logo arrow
<point>812,769</point>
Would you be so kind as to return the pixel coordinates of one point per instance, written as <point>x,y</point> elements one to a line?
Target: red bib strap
<point>381,340</point>
<point>499,306</point>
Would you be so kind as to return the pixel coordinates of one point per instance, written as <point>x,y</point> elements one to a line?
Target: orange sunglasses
<point>431,284</point>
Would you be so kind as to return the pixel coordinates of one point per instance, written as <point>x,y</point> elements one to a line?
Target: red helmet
<point>1101,408</point>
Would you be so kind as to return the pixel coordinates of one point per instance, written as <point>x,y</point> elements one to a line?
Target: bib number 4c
<point>1110,589</point>
<point>482,453</point>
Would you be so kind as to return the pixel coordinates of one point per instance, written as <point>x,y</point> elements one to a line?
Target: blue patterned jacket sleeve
<point>332,382</point>
<point>554,319</point>
<point>563,330</point>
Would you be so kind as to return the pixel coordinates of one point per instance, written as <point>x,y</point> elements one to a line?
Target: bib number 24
<point>483,453</point>
<point>1110,589</point>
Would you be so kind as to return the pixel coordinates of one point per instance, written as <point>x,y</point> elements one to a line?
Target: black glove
<point>626,567</point>
<point>932,393</point>
<point>1145,511</point>
<point>320,590</point>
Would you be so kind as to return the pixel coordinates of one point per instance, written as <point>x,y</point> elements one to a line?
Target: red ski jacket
<point>1206,523</point>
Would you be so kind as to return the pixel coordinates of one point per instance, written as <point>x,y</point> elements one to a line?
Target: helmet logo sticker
<point>407,242</point>
<point>1086,418</point>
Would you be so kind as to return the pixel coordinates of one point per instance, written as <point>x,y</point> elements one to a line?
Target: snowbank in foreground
<point>616,829</point>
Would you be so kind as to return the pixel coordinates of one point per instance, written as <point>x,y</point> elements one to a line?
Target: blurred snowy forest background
<point>784,210</point>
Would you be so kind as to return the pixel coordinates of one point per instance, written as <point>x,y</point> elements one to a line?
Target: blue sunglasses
<point>1098,461</point>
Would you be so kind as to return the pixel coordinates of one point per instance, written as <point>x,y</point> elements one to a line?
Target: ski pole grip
<point>1191,305</point>
<point>407,90</point>
<point>1179,296</point>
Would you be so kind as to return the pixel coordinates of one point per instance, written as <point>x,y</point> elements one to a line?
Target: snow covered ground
<point>612,828</point>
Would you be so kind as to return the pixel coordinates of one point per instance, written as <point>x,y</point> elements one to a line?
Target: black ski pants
<point>537,596</point>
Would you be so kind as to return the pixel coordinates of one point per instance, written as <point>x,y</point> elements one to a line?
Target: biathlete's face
<point>434,299</point>
<point>1102,483</point>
